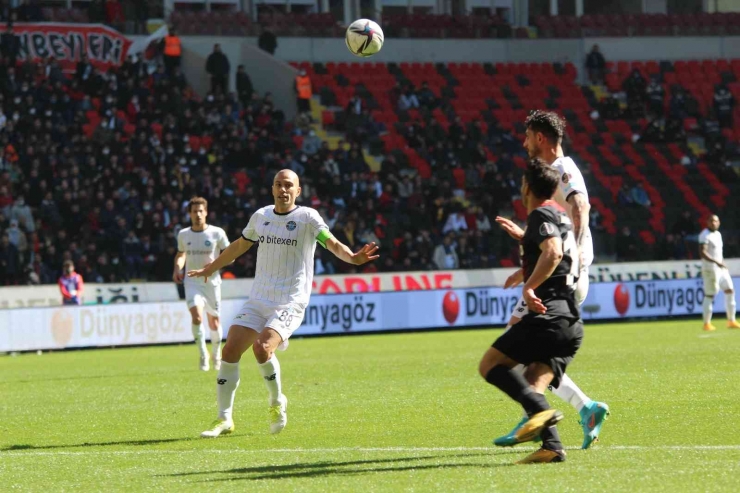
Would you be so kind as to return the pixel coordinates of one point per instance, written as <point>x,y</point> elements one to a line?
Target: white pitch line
<point>21,453</point>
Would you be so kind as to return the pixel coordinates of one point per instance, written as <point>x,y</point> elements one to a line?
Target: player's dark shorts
<point>551,340</point>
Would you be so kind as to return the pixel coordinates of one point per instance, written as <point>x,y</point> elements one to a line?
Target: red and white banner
<point>105,47</point>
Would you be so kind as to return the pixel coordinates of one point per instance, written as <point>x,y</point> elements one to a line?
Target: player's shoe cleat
<point>279,415</point>
<point>733,324</point>
<point>508,440</point>
<point>533,427</point>
<point>204,363</point>
<point>709,327</point>
<point>543,456</point>
<point>593,416</point>
<point>218,428</point>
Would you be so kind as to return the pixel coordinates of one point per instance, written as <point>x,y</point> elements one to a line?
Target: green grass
<point>403,412</point>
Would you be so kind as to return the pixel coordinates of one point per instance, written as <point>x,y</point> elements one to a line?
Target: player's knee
<point>484,367</point>
<point>262,351</point>
<point>230,353</point>
<point>730,292</point>
<point>196,319</point>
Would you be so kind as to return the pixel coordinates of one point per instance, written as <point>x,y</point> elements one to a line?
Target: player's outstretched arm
<point>510,227</point>
<point>552,254</point>
<point>343,252</point>
<point>232,252</point>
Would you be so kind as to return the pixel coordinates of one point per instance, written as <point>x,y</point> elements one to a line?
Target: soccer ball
<point>364,38</point>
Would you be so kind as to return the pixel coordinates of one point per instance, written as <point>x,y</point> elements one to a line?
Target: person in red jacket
<point>71,284</point>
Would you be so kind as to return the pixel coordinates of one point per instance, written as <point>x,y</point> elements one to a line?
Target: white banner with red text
<point>104,46</point>
<point>28,329</point>
<point>143,292</point>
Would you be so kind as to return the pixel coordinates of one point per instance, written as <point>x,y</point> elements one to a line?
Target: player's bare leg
<point>196,320</point>
<point>269,367</point>
<point>217,333</point>
<point>707,310</point>
<point>496,368</point>
<point>237,342</point>
<point>730,306</point>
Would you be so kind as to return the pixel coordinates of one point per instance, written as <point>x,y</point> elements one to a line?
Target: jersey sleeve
<point>703,237</point>
<point>571,181</point>
<point>542,225</point>
<point>180,242</point>
<point>250,232</point>
<point>319,227</point>
<point>223,241</point>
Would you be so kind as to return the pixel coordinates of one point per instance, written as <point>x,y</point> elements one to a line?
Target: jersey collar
<point>285,213</point>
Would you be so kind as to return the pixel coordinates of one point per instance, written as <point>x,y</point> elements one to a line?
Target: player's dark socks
<point>515,386</point>
<point>551,439</point>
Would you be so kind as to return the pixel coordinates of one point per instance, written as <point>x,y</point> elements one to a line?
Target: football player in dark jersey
<point>547,338</point>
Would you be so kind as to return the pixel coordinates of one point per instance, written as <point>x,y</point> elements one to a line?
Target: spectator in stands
<point>311,144</point>
<point>218,67</point>
<point>624,196</point>
<point>172,51</point>
<point>654,131</point>
<point>634,86</point>
<point>677,105</point>
<point>426,97</point>
<point>640,195</point>
<point>114,14</point>
<point>455,222</point>
<point>71,284</point>
<point>11,45</point>
<point>724,104</point>
<point>141,16</point>
<point>626,247</point>
<point>10,269</point>
<point>685,225</point>
<point>18,238</point>
<point>244,88</point>
<point>304,92</point>
<point>656,96</point>
<point>96,11</point>
<point>596,65</point>
<point>445,256</point>
<point>408,100</point>
<point>267,40</point>
<point>29,11</point>
<point>21,212</point>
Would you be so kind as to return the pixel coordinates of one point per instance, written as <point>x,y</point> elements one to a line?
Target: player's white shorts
<point>282,318</point>
<point>204,295</point>
<point>520,309</point>
<point>716,280</point>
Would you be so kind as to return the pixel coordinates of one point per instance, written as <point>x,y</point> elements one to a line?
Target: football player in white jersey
<point>715,274</point>
<point>198,246</point>
<point>543,140</point>
<point>287,235</point>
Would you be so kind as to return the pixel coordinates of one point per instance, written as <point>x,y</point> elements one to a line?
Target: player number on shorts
<point>286,318</point>
<point>570,248</point>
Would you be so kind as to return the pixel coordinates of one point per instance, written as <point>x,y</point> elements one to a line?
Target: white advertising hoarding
<point>48,295</point>
<point>169,322</point>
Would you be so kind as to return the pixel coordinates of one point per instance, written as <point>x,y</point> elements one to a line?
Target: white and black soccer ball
<point>364,38</point>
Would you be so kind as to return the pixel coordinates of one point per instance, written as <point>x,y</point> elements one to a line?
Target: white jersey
<point>713,241</point>
<point>571,181</point>
<point>201,248</point>
<point>287,243</point>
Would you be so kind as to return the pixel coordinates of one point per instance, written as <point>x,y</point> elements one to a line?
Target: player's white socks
<point>707,308</point>
<point>270,371</point>
<point>216,336</point>
<point>730,306</point>
<point>200,339</point>
<point>227,382</point>
<point>570,393</point>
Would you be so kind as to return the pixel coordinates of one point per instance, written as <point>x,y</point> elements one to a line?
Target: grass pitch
<point>402,412</point>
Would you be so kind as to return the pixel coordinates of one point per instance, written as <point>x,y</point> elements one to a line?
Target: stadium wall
<point>493,50</point>
<point>31,329</point>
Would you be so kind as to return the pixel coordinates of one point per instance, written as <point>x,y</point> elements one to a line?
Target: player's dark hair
<point>197,201</point>
<point>541,178</point>
<point>548,123</point>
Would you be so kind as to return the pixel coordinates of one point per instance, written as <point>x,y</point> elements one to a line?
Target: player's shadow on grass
<point>347,468</point>
<point>20,447</point>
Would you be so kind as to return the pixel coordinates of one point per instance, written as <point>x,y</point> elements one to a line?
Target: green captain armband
<point>324,235</point>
